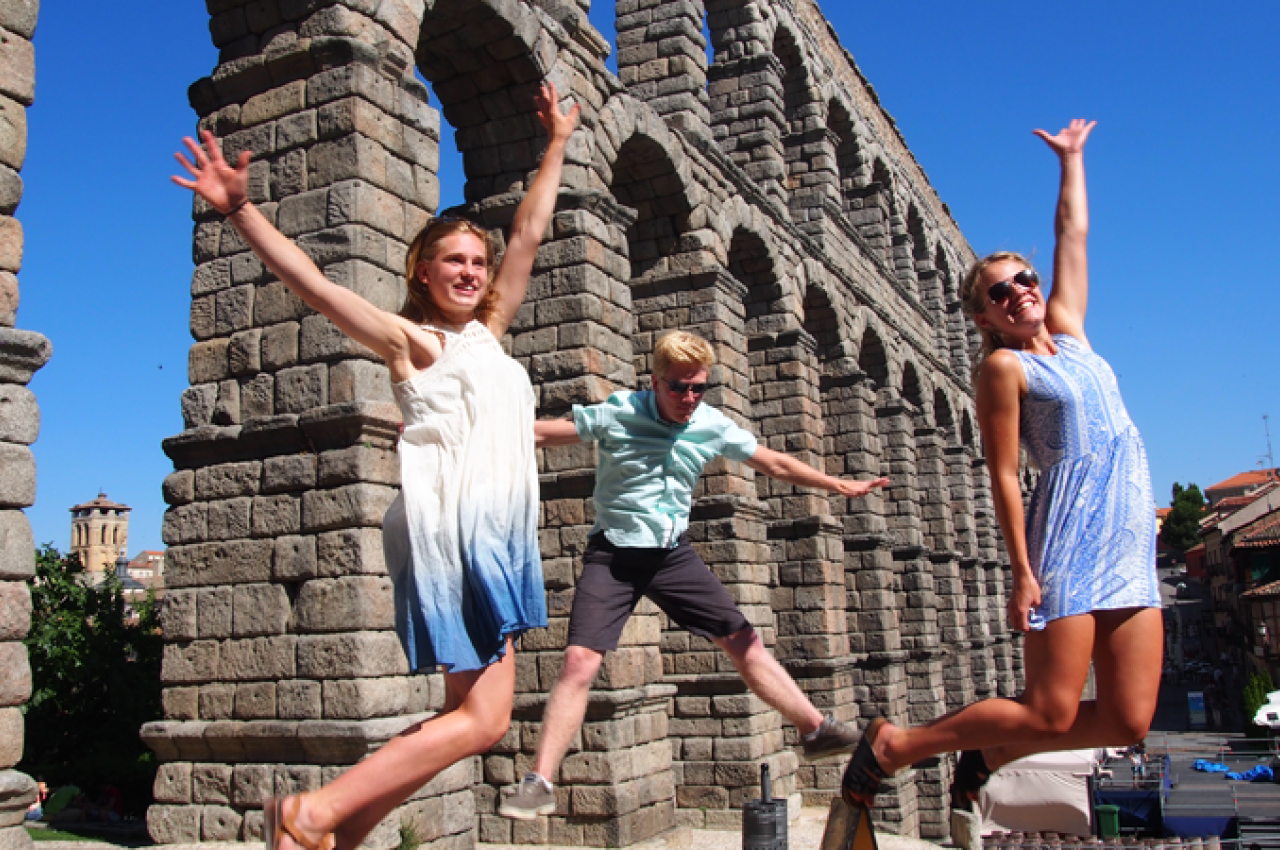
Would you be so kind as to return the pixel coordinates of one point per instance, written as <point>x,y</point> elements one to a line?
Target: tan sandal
<point>277,824</point>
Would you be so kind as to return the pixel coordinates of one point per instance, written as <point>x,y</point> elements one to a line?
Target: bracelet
<point>235,209</point>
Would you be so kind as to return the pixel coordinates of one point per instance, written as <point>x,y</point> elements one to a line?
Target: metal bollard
<point>764,821</point>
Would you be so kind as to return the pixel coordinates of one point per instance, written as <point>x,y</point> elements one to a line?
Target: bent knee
<point>580,665</point>
<point>486,727</point>
<point>738,643</point>
<point>1130,729</point>
<point>1055,720</point>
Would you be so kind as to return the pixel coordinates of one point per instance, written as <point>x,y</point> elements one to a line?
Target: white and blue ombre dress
<point>1091,525</point>
<point>461,541</point>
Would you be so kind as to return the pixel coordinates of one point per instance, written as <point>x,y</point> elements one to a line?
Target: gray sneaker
<point>533,796</point>
<point>829,739</point>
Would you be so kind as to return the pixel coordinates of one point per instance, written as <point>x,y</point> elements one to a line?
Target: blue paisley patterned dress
<point>461,540</point>
<point>1091,525</point>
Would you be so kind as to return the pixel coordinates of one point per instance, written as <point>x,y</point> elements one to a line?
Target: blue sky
<point>1182,169</point>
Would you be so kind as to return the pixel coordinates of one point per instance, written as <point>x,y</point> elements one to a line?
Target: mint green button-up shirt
<point>647,467</point>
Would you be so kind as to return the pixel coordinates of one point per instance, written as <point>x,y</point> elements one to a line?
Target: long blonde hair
<point>419,306</point>
<point>973,300</point>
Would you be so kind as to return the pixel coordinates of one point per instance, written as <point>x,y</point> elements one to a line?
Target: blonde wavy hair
<point>683,349</point>
<point>973,300</point>
<point>419,306</point>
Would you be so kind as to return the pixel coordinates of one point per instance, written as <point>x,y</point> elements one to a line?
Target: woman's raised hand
<point>1071,138</point>
<point>559,124</point>
<point>224,187</point>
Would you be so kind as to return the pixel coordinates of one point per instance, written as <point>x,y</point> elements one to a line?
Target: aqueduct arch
<point>767,202</point>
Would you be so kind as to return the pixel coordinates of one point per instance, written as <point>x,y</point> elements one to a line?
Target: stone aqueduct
<point>763,199</point>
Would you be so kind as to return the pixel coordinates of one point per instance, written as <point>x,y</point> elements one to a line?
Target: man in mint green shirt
<point>652,446</point>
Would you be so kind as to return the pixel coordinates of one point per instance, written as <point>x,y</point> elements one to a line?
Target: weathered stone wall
<point>764,200</point>
<point>22,353</point>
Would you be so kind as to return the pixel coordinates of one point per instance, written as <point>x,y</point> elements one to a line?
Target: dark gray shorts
<point>614,578</point>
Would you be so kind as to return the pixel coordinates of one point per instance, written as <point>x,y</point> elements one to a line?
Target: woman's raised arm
<point>225,188</point>
<point>1070,297</point>
<point>534,213</point>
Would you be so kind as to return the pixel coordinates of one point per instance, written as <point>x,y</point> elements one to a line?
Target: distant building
<point>100,534</point>
<point>1243,484</point>
<point>147,568</point>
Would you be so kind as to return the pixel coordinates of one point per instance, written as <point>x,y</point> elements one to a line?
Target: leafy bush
<point>95,669</point>
<point>1255,694</point>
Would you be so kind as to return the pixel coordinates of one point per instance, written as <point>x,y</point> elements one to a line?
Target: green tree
<point>95,670</point>
<point>1182,524</point>
<point>1255,694</point>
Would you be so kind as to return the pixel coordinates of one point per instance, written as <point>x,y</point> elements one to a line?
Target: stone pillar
<point>281,667</point>
<point>942,655</point>
<point>805,540</point>
<point>954,619</point>
<point>662,59</point>
<point>576,335</point>
<point>22,353</point>
<point>746,97</point>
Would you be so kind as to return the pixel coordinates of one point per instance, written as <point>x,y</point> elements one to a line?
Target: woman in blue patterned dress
<point>1083,555</point>
<point>461,541</point>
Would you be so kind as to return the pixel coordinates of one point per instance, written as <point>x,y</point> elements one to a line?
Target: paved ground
<point>804,833</point>
<point>1213,793</point>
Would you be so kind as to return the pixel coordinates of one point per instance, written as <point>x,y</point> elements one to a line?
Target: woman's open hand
<point>1070,139</point>
<point>224,187</point>
<point>560,125</point>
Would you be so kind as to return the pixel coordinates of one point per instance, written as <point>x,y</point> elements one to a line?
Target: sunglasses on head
<point>1002,291</point>
<point>682,387</point>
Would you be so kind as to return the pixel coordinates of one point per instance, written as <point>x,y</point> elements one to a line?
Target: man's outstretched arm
<point>554,432</point>
<point>786,468</point>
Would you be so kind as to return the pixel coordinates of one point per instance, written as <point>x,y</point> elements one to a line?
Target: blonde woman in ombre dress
<point>461,541</point>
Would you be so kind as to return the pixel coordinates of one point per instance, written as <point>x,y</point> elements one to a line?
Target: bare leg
<point>1127,659</point>
<point>477,714</point>
<point>565,708</point>
<point>1126,646</point>
<point>768,680</point>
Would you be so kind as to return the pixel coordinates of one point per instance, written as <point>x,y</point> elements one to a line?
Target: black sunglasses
<point>1002,291</point>
<point>681,387</point>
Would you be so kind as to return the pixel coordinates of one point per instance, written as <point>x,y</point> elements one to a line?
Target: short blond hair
<point>681,348</point>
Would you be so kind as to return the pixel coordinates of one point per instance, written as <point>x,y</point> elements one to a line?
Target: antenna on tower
<point>1266,427</point>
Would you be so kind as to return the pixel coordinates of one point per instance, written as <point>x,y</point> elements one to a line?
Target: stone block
<point>344,604</point>
<point>11,736</point>
<point>223,481</point>
<point>173,824</point>
<point>9,295</point>
<point>279,346</point>
<point>351,655</point>
<point>228,519</point>
<point>13,142</point>
<point>211,783</point>
<point>359,380</point>
<point>173,783</point>
<point>255,701</point>
<point>262,658</point>
<point>19,415</point>
<point>275,516</point>
<point>191,663</point>
<point>358,699</point>
<point>259,610</point>
<point>351,551</point>
<point>197,404</point>
<point>17,476</point>
<point>229,562</point>
<point>19,16</point>
<point>180,703</point>
<point>178,615</point>
<point>15,610</point>
<point>22,353</point>
<point>301,388</point>
<point>245,352</point>
<point>179,487</point>
<point>299,699</point>
<point>207,362</point>
<point>321,340</point>
<point>17,546</point>
<point>359,464</point>
<point>294,558</point>
<point>15,674</point>
<point>214,611</point>
<point>251,785</point>
<point>289,472</point>
<point>347,506</point>
<point>220,823</point>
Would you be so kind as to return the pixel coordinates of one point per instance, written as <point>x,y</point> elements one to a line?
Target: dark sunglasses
<point>1001,292</point>
<point>681,387</point>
